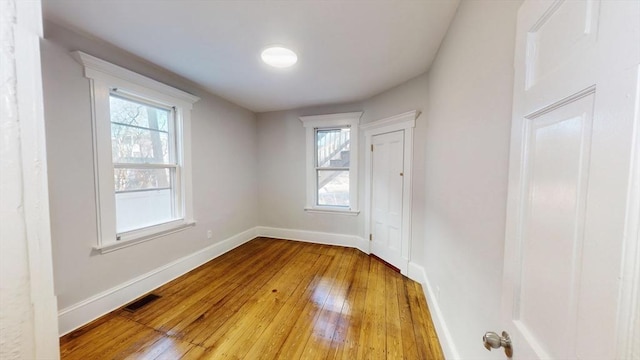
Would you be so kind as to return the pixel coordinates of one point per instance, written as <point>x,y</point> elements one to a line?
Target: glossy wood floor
<point>271,299</point>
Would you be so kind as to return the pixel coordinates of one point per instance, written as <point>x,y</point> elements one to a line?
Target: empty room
<point>340,179</point>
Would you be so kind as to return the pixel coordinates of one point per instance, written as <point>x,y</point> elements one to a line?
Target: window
<point>143,173</point>
<point>332,144</point>
<point>145,170</point>
<point>332,166</point>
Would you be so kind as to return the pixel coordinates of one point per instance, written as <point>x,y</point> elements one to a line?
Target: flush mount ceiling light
<point>279,57</point>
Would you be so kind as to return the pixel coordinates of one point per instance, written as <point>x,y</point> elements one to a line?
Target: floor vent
<point>138,304</point>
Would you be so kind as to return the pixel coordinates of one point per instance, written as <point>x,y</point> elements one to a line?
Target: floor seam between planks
<point>271,299</point>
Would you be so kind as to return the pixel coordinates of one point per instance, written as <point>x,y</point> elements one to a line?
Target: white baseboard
<point>92,308</point>
<point>417,273</point>
<point>316,237</point>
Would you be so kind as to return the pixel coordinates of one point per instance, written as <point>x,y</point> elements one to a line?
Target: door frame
<point>28,32</point>
<point>402,122</point>
<point>629,312</point>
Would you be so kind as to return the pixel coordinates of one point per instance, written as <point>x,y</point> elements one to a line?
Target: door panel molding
<point>571,240</point>
<point>550,160</point>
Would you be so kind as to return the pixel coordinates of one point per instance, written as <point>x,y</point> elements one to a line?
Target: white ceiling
<point>347,50</point>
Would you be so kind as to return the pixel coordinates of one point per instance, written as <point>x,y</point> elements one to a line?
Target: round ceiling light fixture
<point>279,57</point>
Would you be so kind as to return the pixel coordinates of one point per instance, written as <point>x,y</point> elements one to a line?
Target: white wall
<point>467,150</point>
<point>281,144</point>
<point>27,302</point>
<point>224,155</point>
<point>281,153</point>
<point>461,151</point>
<point>16,316</point>
<point>459,186</point>
<point>412,95</point>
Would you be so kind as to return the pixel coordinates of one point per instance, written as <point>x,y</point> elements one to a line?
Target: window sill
<point>121,244</point>
<point>332,211</point>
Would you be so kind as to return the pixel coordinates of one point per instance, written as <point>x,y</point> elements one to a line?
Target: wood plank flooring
<point>271,299</point>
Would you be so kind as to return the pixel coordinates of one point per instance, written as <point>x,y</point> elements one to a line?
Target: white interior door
<point>575,116</point>
<point>386,197</point>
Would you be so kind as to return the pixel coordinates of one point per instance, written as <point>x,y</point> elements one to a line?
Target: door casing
<point>402,122</point>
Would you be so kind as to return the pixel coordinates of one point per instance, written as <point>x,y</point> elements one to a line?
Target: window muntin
<point>132,179</point>
<point>332,161</point>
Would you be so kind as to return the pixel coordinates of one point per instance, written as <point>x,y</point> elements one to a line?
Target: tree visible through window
<point>144,160</point>
<point>142,131</point>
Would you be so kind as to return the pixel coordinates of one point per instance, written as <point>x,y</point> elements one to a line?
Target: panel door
<point>575,108</point>
<point>386,198</point>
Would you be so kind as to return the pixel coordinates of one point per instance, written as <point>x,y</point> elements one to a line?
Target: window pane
<point>332,147</point>
<point>138,146</point>
<point>333,187</point>
<point>131,112</point>
<point>135,210</point>
<point>128,179</point>
<point>139,132</point>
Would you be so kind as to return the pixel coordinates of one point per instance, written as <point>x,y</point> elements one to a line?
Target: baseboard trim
<point>417,273</point>
<point>85,311</point>
<point>316,237</point>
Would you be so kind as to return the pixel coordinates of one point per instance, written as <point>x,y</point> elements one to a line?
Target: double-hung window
<point>146,172</point>
<point>142,158</point>
<point>332,145</point>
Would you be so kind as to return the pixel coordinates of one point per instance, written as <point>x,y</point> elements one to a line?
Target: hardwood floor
<point>271,299</point>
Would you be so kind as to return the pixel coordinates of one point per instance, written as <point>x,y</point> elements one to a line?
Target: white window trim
<point>311,123</point>
<point>103,77</point>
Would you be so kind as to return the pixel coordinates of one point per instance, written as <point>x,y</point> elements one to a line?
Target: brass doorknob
<point>494,341</point>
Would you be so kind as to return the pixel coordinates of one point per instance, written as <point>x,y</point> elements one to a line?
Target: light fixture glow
<point>279,57</point>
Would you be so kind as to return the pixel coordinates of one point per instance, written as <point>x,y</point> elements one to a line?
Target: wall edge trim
<point>418,273</point>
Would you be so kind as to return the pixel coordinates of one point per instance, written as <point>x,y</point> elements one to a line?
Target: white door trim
<point>628,328</point>
<point>28,32</point>
<point>401,122</point>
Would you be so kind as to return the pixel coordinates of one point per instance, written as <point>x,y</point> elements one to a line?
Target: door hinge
<point>370,237</point>
<point>371,147</point>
